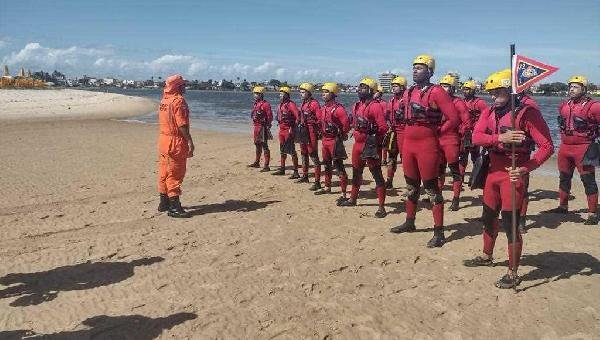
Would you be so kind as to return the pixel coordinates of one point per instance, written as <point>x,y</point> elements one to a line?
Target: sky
<point>296,41</point>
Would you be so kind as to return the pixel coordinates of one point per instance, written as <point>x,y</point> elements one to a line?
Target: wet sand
<point>84,253</point>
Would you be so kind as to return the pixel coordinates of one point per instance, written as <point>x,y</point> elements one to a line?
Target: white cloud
<point>265,67</point>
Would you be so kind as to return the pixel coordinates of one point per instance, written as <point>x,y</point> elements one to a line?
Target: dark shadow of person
<point>229,205</point>
<point>15,335</point>
<point>554,266</point>
<point>35,288</point>
<point>134,327</point>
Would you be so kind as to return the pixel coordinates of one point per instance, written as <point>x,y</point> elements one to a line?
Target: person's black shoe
<point>316,186</point>
<point>454,204</point>
<point>254,165</point>
<point>508,282</point>
<point>389,184</point>
<point>437,240</point>
<point>295,175</point>
<point>406,227</point>
<point>176,210</point>
<point>523,225</point>
<point>340,199</point>
<point>347,203</point>
<point>279,172</point>
<point>591,220</point>
<point>164,203</point>
<point>479,261</point>
<point>265,169</point>
<point>558,210</point>
<point>381,213</point>
<point>303,179</point>
<point>323,191</point>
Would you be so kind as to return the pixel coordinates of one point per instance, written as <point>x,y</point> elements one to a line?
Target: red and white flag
<point>526,72</point>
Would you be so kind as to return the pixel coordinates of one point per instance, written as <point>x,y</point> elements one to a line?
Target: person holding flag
<point>508,139</point>
<point>579,121</point>
<point>425,106</point>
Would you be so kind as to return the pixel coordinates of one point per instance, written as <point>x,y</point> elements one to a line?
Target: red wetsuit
<point>579,123</point>
<point>368,118</point>
<point>497,189</point>
<point>450,147</point>
<point>310,115</point>
<point>397,122</point>
<point>262,118</point>
<point>287,116</point>
<point>475,106</point>
<point>334,125</point>
<point>425,108</point>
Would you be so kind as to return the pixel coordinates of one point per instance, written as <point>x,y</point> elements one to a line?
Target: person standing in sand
<point>579,122</point>
<point>310,116</point>
<point>175,145</point>
<point>494,131</point>
<point>262,117</point>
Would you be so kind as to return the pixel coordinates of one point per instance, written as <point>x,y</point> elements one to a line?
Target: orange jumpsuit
<point>172,146</point>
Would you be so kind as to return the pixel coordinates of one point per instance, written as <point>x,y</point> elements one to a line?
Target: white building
<point>385,80</point>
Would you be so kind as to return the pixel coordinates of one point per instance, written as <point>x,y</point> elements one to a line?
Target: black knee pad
<point>564,181</point>
<point>488,217</point>
<point>454,170</point>
<point>327,165</point>
<point>339,166</point>
<point>377,176</point>
<point>357,175</point>
<point>432,190</point>
<point>412,187</point>
<point>589,183</point>
<point>506,224</point>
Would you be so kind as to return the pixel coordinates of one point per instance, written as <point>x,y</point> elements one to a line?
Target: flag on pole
<point>526,72</point>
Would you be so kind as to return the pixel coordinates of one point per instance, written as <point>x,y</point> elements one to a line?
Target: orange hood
<point>173,83</point>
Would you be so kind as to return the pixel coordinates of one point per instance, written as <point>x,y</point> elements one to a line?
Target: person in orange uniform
<point>262,117</point>
<point>310,115</point>
<point>396,119</point>
<point>450,142</point>
<point>175,145</point>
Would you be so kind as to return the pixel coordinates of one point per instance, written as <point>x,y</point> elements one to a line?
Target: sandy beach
<point>84,253</point>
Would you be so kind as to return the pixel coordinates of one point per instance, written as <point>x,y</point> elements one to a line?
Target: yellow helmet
<point>372,84</point>
<point>331,87</point>
<point>498,80</point>
<point>470,84</point>
<point>285,89</point>
<point>380,88</point>
<point>448,79</point>
<point>258,89</point>
<point>399,81</point>
<point>306,87</point>
<point>426,60</point>
<point>580,80</point>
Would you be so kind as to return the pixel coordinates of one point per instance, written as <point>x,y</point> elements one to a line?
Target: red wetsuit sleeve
<point>378,114</point>
<point>266,107</point>
<point>446,106</point>
<point>594,113</point>
<point>481,105</point>
<point>294,109</point>
<point>316,108</point>
<point>481,137</point>
<point>342,116</point>
<point>537,128</point>
<point>181,112</point>
<point>465,117</point>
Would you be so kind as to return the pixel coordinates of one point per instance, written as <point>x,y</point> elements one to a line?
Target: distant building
<point>385,80</point>
<point>109,81</point>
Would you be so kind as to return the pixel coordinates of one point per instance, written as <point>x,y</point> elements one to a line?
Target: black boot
<point>304,179</point>
<point>254,165</point>
<point>347,203</point>
<point>522,225</point>
<point>454,204</point>
<point>295,175</point>
<point>265,169</point>
<point>316,186</point>
<point>438,238</point>
<point>591,220</point>
<point>279,172</point>
<point>389,184</point>
<point>164,203</point>
<point>406,227</point>
<point>381,213</point>
<point>176,210</point>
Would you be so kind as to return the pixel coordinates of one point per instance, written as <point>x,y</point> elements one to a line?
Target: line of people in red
<point>427,128</point>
